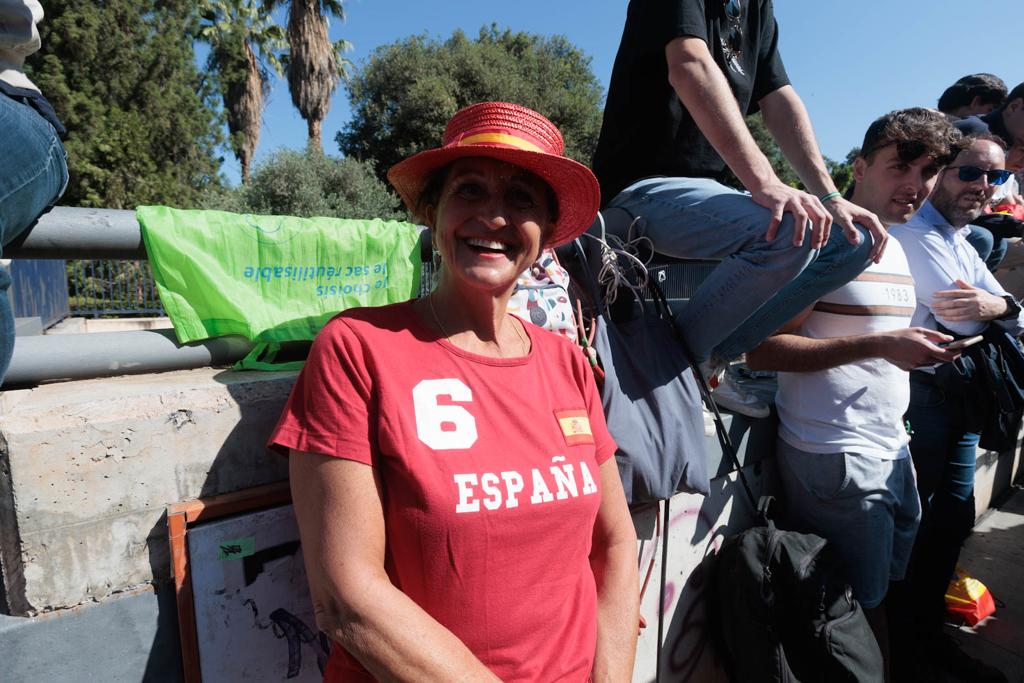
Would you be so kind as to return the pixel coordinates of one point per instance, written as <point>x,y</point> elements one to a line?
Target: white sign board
<point>254,619</point>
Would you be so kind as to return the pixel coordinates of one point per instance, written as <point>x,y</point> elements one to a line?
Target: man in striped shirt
<point>843,376</point>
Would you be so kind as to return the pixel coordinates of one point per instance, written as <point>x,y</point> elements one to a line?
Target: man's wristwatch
<point>1012,308</point>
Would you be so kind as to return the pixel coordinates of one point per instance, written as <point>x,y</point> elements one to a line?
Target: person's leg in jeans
<point>999,247</point>
<point>866,507</point>
<point>982,240</point>
<point>703,219</point>
<point>33,174</point>
<point>990,248</point>
<point>837,263</point>
<point>944,453</point>
<point>943,447</point>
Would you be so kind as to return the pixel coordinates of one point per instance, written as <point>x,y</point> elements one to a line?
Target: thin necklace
<point>430,302</point>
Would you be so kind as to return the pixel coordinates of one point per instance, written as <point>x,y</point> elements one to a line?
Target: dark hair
<point>914,131</point>
<point>1016,94</point>
<point>431,193</point>
<point>989,88</point>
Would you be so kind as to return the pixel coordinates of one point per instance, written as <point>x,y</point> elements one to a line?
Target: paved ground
<point>995,555</point>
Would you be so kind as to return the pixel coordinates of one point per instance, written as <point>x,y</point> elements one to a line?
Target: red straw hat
<point>516,135</point>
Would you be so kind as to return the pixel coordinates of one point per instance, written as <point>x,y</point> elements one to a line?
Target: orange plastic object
<point>969,599</point>
<point>1015,210</point>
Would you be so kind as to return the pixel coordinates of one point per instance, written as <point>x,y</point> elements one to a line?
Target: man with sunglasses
<point>955,292</point>
<point>1007,122</point>
<point>843,377</point>
<point>686,73</point>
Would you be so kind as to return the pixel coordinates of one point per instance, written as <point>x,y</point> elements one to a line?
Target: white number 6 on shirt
<point>431,417</point>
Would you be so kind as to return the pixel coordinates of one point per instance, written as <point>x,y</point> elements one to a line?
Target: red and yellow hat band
<point>503,139</point>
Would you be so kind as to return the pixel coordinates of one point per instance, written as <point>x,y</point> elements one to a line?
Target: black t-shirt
<point>647,131</point>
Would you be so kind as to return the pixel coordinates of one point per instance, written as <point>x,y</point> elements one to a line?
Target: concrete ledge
<point>87,469</point>
<point>84,325</point>
<point>28,327</point>
<point>995,474</point>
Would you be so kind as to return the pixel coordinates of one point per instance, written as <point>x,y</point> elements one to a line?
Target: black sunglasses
<point>968,174</point>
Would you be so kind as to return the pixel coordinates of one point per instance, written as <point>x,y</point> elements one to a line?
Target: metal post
<point>103,354</point>
<point>75,233</point>
<point>68,232</point>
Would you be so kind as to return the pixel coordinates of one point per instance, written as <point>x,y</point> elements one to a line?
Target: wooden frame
<point>179,517</point>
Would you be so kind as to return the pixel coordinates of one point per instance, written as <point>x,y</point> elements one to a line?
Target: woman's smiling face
<point>489,224</point>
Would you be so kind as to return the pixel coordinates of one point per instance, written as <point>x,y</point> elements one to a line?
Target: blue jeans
<point>943,447</point>
<point>990,248</point>
<point>866,507</point>
<point>760,285</point>
<point>33,175</point>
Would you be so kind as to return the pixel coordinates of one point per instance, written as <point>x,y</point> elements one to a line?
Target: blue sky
<point>850,61</point>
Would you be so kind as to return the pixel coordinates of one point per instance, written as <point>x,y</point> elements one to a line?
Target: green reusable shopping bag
<point>273,278</point>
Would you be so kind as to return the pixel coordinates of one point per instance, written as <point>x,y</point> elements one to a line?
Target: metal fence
<point>126,288</point>
<point>39,289</point>
<point>112,289</point>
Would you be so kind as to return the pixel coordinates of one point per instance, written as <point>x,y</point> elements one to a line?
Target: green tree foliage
<point>404,95</point>
<point>121,75</point>
<point>841,171</point>
<point>244,46</point>
<point>771,150</point>
<point>310,183</point>
<point>314,64</point>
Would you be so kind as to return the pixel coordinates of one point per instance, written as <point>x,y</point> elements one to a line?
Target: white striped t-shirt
<point>857,407</point>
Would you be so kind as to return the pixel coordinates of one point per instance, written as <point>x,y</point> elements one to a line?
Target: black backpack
<point>778,603</point>
<point>784,613</point>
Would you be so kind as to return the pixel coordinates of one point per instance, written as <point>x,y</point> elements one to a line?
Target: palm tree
<point>244,47</point>
<point>314,63</point>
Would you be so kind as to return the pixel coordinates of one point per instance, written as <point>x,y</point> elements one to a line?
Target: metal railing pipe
<point>69,232</point>
<point>103,354</point>
<point>75,233</point>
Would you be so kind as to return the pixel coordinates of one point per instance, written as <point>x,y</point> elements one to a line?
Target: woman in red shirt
<point>460,510</point>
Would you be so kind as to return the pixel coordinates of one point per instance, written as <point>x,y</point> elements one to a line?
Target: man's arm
<point>786,119</point>
<point>969,303</point>
<point>907,348</point>
<point>945,288</point>
<point>703,90</point>
<point>787,351</point>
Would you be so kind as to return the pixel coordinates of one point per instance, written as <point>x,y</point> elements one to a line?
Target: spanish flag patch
<point>575,425</point>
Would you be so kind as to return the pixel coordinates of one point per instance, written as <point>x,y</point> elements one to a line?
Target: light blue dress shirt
<point>939,255</point>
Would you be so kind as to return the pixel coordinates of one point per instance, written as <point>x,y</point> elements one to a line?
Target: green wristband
<point>831,195</point>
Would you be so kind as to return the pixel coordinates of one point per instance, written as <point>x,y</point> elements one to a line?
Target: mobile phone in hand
<point>958,344</point>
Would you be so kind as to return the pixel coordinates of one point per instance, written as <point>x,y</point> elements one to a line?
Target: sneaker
<point>962,666</point>
<point>731,396</point>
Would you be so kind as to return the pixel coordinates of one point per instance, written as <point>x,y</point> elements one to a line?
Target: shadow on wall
<point>242,462</point>
<point>689,651</point>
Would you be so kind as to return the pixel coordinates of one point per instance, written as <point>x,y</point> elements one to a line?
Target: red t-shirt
<point>490,479</point>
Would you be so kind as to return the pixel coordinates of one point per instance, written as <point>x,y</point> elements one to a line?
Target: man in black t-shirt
<point>973,95</point>
<point>1007,122</point>
<point>686,73</point>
